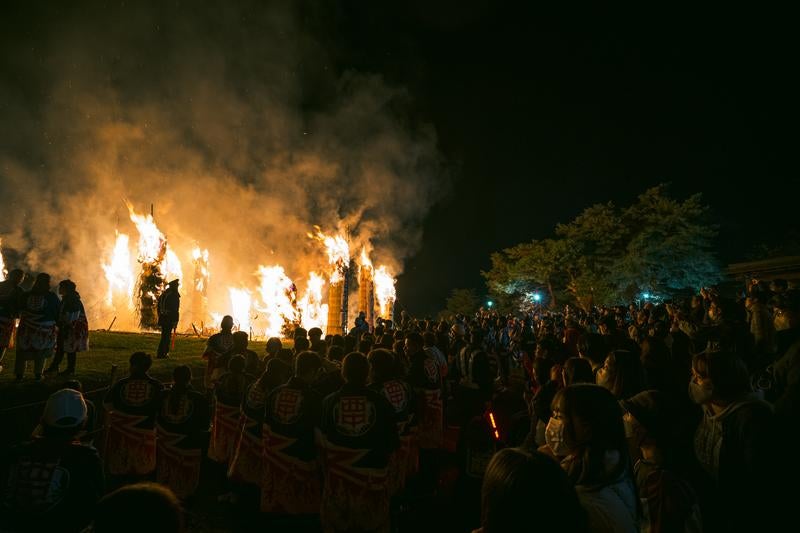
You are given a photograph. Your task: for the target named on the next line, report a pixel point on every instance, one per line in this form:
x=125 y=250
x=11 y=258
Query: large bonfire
x=267 y=305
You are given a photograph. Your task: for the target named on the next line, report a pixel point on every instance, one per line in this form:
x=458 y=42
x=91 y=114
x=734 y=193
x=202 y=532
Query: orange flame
x=277 y=299
x=314 y=312
x=200 y=260
x=241 y=303
x=3 y=271
x=118 y=272
x=385 y=291
x=338 y=253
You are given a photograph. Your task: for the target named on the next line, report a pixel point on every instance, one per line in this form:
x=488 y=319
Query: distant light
x=645 y=295
x=537 y=297
x=490 y=303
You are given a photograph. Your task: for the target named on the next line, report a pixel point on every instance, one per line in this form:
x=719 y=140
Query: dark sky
x=539 y=114
x=543 y=114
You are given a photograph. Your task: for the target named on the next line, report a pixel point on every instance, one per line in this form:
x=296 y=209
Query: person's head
x=365 y=344
x=182 y=376
x=140 y=507
x=226 y=324
x=273 y=346
x=140 y=363
x=457 y=331
x=277 y=373
x=586 y=424
x=74 y=384
x=335 y=353
x=541 y=369
x=520 y=489
x=622 y=374
x=240 y=340
x=66 y=286
x=649 y=418
x=577 y=370
x=315 y=334
x=64 y=414
x=300 y=332
x=307 y=365
x=355 y=369
x=399 y=347
x=41 y=284
x=287 y=356
x=173 y=285
x=718 y=377
x=429 y=339
x=16 y=276
x=237 y=364
x=301 y=344
x=592 y=347
x=413 y=344
x=381 y=365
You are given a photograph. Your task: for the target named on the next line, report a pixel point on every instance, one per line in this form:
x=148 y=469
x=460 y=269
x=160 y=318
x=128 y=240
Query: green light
x=490 y=303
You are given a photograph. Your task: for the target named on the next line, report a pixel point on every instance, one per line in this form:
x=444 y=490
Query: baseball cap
x=64 y=409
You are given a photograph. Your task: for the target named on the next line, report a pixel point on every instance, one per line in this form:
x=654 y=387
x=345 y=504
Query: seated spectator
x=52 y=482
x=229 y=392
x=136 y=508
x=528 y=492
x=576 y=370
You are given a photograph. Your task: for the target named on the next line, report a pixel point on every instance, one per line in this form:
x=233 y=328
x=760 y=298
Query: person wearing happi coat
x=384 y=380
x=131 y=406
x=357 y=435
x=218 y=352
x=38 y=331
x=73 y=329
x=182 y=430
x=228 y=395
x=10 y=299
x=291 y=481
x=245 y=466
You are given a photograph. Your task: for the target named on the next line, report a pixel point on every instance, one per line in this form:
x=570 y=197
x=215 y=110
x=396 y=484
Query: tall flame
x=314 y=312
x=338 y=253
x=118 y=272
x=3 y=271
x=200 y=260
x=364 y=261
x=385 y=291
x=278 y=299
x=151 y=240
x=241 y=303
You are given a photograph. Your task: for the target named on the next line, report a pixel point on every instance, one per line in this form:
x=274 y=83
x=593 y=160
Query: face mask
x=554 y=437
x=699 y=394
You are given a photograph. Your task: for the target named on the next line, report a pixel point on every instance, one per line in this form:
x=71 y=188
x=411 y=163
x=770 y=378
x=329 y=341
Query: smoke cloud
x=231 y=120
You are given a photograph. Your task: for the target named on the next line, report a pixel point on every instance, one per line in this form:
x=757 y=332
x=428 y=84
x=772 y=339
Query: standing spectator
x=424 y=377
x=669 y=503
x=52 y=482
x=131 y=406
x=622 y=374
x=358 y=433
x=733 y=442
x=10 y=300
x=169 y=305
x=73 y=329
x=252 y=361
x=586 y=429
x=37 y=333
x=182 y=430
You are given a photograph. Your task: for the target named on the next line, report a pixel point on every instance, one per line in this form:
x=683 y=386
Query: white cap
x=64 y=409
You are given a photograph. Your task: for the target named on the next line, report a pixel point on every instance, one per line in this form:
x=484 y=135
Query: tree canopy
x=608 y=254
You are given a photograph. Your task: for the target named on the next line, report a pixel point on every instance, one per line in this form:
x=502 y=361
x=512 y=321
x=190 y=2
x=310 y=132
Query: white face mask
x=554 y=437
x=699 y=394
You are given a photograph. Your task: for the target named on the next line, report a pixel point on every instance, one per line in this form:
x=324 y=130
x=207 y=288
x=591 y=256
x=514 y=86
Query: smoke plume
x=231 y=120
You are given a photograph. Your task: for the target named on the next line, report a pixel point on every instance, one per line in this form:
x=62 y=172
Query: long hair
x=593 y=427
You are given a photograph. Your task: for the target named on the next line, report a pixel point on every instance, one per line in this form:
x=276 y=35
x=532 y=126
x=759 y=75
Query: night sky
x=540 y=114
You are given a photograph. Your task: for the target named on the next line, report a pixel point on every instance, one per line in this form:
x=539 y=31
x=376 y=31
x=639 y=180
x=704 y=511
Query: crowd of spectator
x=657 y=416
